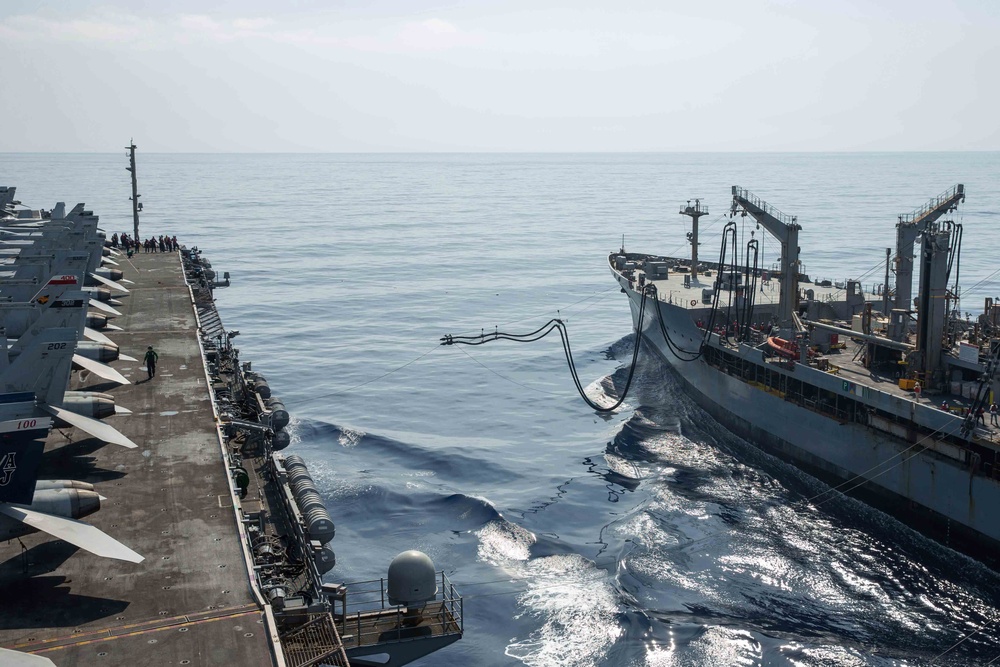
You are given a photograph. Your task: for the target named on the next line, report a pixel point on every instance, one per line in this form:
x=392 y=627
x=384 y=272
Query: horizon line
x=492 y=152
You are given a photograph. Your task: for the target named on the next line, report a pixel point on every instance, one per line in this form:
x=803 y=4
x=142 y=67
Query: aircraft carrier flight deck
x=204 y=543
x=189 y=602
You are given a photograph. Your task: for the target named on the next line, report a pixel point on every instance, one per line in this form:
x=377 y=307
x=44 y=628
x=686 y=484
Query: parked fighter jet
x=38 y=269
x=40 y=313
x=60 y=310
x=24 y=281
x=49 y=246
x=42 y=366
x=53 y=507
x=44 y=261
x=37 y=233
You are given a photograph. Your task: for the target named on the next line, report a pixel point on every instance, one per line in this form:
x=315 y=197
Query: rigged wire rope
x=369 y=381
x=504 y=377
x=600 y=294
x=560 y=326
x=986 y=279
x=860 y=479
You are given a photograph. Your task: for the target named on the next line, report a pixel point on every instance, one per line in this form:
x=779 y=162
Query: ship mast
x=136 y=206
x=695 y=212
x=910 y=226
x=785 y=229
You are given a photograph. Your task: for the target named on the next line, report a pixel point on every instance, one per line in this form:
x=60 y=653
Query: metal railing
x=314 y=642
x=955 y=192
x=743 y=193
x=697 y=208
x=361 y=610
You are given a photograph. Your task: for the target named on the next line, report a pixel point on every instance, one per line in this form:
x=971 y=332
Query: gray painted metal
x=934 y=475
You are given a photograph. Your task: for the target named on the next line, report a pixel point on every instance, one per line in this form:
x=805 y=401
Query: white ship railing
x=933 y=204
x=743 y=193
x=357 y=605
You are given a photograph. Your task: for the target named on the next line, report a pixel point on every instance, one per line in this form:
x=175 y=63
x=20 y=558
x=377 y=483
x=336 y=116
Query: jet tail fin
x=21 y=446
x=55 y=286
x=43 y=365
x=19 y=464
x=68 y=311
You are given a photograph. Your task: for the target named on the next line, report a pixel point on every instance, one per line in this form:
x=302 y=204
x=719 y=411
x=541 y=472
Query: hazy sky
x=708 y=75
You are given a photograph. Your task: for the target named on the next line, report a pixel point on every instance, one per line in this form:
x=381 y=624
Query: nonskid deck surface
x=188 y=602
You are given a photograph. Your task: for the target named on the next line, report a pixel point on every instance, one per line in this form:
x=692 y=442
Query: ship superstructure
x=874 y=387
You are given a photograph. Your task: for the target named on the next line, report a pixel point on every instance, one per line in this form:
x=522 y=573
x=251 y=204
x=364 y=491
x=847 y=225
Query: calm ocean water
x=651 y=537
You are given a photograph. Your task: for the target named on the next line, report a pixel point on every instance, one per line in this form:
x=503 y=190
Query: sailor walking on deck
x=150 y=359
x=994 y=409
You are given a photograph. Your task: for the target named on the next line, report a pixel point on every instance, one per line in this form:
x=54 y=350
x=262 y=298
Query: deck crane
x=910 y=226
x=936 y=254
x=785 y=229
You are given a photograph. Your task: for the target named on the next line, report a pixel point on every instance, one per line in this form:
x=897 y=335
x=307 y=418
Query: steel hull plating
x=934 y=494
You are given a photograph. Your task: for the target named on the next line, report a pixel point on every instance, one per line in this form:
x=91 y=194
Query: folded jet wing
x=107 y=281
x=75 y=532
x=106 y=308
x=100 y=370
x=18 y=659
x=97 y=336
x=94 y=427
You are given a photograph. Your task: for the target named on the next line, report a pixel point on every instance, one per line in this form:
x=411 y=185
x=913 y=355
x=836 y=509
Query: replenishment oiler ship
x=205 y=542
x=881 y=391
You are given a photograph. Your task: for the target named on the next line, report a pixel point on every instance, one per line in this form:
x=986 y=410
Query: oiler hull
x=939 y=496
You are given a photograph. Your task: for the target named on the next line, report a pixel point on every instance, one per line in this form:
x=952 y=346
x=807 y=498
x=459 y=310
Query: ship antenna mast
x=694 y=212
x=136 y=206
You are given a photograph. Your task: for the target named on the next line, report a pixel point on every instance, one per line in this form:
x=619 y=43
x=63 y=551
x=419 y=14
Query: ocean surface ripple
x=650 y=537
